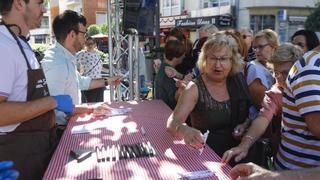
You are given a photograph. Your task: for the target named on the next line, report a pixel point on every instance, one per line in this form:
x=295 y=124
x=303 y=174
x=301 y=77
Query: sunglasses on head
x=300 y=44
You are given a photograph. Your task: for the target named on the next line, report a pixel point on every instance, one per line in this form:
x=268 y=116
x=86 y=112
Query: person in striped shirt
x=280 y=63
x=251 y=171
x=300 y=140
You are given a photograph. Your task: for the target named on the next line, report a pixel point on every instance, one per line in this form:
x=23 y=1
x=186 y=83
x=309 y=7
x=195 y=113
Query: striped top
x=299 y=148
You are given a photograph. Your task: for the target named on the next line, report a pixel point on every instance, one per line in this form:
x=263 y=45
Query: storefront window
x=40 y=39
x=260 y=22
x=45 y=22
x=170 y=3
x=175 y=2
x=166 y=3
x=215 y=3
x=171 y=7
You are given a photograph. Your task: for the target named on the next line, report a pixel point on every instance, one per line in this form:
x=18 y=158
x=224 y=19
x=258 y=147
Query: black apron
x=32 y=143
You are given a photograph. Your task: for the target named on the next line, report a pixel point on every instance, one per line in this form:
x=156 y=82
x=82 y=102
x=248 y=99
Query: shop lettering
x=220 y=20
x=213 y=21
x=222 y=23
x=186 y=23
x=202 y=22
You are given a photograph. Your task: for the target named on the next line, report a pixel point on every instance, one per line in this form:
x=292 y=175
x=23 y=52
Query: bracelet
x=249 y=137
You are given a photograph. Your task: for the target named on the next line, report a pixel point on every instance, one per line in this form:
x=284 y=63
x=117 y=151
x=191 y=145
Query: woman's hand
x=114 y=81
x=101 y=109
x=181 y=85
x=238 y=152
x=251 y=171
x=188 y=77
x=170 y=71
x=192 y=137
x=156 y=65
x=239 y=130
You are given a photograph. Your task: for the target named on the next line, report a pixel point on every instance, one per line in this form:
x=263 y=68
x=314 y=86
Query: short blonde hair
x=216 y=43
x=209 y=28
x=270 y=35
x=286 y=52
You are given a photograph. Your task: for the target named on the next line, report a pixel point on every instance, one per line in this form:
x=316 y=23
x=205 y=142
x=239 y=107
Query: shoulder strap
x=18 y=42
x=246 y=69
x=86 y=73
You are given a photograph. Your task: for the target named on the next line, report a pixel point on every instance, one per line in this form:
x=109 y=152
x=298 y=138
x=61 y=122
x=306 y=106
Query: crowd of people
x=236 y=85
x=249 y=90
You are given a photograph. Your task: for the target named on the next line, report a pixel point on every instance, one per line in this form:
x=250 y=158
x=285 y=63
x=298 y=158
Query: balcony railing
x=213 y=11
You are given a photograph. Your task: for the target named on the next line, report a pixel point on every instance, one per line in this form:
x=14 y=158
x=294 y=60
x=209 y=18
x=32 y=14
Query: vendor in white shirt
x=59 y=64
x=27 y=120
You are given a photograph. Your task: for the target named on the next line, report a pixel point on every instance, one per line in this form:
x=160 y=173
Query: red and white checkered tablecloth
x=172 y=158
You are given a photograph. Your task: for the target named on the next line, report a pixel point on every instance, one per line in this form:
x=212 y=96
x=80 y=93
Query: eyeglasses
x=222 y=60
x=78 y=31
x=83 y=32
x=279 y=75
x=299 y=44
x=260 y=47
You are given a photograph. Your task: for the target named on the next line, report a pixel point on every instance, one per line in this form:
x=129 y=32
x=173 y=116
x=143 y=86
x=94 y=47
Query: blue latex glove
x=6 y=172
x=64 y=103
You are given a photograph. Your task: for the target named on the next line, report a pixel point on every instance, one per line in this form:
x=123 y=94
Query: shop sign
x=200 y=21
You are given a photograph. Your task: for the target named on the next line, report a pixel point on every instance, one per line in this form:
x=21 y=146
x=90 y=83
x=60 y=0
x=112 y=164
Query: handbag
x=263 y=155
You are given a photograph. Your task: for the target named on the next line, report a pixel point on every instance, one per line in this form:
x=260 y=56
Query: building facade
x=190 y=15
x=42 y=35
x=95 y=12
x=283 y=16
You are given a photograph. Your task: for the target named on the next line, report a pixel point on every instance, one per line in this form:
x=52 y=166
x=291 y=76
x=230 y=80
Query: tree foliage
x=313 y=21
x=104 y=28
x=97 y=28
x=93 y=29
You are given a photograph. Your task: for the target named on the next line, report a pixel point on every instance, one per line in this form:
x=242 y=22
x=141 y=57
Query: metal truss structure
x=123 y=55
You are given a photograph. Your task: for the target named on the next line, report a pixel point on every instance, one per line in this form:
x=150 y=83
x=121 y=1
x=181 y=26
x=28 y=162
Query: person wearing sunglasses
x=90 y=64
x=305 y=39
x=59 y=66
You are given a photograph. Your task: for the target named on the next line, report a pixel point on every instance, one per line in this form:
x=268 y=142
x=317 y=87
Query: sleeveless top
x=220 y=118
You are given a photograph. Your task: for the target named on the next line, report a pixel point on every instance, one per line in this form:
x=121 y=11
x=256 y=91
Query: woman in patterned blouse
x=90 y=64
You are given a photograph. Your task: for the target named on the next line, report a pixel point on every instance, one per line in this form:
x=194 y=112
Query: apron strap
x=18 y=42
